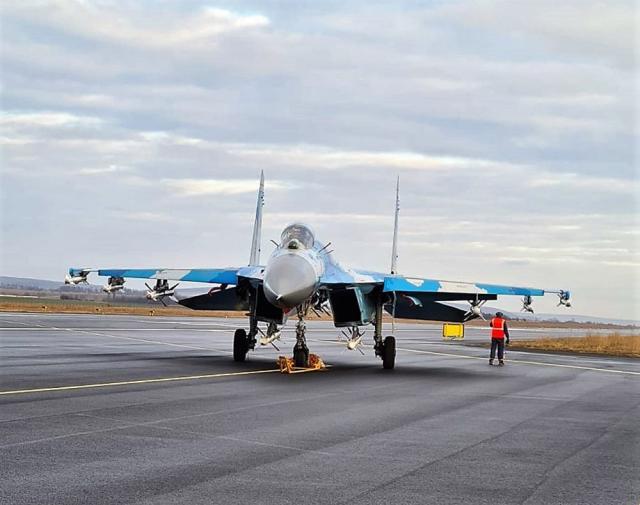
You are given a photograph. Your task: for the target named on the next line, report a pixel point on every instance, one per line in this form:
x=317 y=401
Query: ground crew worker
x=499 y=331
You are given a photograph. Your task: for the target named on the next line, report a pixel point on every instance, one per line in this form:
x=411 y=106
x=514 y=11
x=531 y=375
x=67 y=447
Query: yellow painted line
x=526 y=362
x=307 y=370
x=141 y=381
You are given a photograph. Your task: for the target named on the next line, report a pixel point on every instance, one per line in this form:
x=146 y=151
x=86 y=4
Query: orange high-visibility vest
x=497 y=327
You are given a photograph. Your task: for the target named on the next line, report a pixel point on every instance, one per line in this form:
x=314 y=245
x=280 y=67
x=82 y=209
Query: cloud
x=310 y=156
x=573 y=181
x=589 y=29
x=111 y=169
x=158 y=28
x=200 y=187
x=146 y=217
x=23 y=120
x=298 y=156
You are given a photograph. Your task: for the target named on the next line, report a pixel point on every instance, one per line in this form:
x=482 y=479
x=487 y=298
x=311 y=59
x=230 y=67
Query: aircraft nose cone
x=289 y=280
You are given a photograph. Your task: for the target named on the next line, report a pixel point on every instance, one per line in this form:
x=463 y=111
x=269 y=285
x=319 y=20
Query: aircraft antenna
x=394 y=250
x=254 y=259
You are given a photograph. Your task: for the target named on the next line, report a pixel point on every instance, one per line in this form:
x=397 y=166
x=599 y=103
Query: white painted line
x=255 y=442
x=526 y=362
x=145 y=340
x=57 y=328
x=141 y=381
x=305 y=398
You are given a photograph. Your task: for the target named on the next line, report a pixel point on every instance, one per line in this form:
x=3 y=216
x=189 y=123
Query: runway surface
x=128 y=409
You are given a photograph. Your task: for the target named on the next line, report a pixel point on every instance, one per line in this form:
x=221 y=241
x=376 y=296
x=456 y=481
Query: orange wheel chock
x=286 y=365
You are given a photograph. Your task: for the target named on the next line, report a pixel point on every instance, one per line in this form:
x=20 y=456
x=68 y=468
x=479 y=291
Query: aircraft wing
x=418 y=298
x=208 y=275
x=448 y=289
x=423 y=298
x=469 y=289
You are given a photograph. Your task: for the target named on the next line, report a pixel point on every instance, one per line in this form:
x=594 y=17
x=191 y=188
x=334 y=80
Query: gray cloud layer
x=133 y=135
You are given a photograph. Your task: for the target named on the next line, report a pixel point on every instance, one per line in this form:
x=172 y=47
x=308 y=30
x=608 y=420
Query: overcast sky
x=134 y=133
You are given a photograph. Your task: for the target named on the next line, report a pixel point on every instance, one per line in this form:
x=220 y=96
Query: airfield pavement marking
x=305 y=398
x=526 y=362
x=207 y=435
x=139 y=381
x=100 y=334
x=189 y=323
x=461 y=356
x=56 y=328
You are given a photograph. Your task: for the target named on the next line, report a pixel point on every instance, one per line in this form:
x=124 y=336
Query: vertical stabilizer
x=254 y=259
x=394 y=250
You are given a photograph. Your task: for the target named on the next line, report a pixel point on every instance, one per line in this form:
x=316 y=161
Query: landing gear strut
x=385 y=349
x=300 y=350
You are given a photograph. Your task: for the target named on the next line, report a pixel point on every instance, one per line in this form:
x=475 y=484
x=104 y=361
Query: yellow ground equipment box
x=453 y=331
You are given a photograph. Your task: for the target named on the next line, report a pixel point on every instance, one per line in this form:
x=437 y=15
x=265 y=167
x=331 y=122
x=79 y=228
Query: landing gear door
x=351 y=307
x=265 y=311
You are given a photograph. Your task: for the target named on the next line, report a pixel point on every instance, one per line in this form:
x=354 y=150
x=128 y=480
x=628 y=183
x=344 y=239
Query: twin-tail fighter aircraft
x=302 y=275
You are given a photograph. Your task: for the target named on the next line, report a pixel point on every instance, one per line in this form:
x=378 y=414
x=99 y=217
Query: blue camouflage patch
x=216 y=276
x=208 y=275
x=415 y=285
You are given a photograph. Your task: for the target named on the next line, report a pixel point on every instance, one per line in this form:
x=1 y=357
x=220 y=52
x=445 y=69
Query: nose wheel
x=300 y=357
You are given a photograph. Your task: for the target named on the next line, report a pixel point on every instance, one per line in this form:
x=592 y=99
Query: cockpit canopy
x=297 y=236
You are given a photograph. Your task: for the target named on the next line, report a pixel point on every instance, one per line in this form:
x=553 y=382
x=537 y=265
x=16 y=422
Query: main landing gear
x=242 y=341
x=389 y=353
x=384 y=348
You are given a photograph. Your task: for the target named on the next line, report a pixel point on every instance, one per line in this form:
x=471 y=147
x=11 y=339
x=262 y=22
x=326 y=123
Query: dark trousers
x=499 y=343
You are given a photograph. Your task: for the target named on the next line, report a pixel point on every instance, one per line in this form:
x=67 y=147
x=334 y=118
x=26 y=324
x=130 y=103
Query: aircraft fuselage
x=292 y=274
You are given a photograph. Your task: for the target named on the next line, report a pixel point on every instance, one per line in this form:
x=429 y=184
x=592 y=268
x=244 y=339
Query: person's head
x=499 y=314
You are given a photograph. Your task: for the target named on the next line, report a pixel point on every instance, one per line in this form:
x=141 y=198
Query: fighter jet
x=302 y=276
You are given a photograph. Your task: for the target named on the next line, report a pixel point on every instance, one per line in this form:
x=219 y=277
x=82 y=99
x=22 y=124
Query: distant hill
x=42 y=287
x=32 y=285
x=553 y=318
x=570 y=318
x=28 y=283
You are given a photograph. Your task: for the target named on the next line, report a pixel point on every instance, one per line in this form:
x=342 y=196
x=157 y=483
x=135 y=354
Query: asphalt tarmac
x=127 y=409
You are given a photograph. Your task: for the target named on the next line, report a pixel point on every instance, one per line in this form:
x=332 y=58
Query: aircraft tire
x=300 y=358
x=389 y=353
x=240 y=345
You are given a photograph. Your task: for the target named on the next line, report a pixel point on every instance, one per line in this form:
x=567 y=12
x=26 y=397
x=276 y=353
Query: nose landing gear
x=300 y=350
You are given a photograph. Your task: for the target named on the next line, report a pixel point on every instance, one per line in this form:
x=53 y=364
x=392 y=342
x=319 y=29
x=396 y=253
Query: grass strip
x=613 y=344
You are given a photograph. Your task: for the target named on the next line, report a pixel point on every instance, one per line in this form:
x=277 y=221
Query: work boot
x=491 y=361
x=501 y=362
